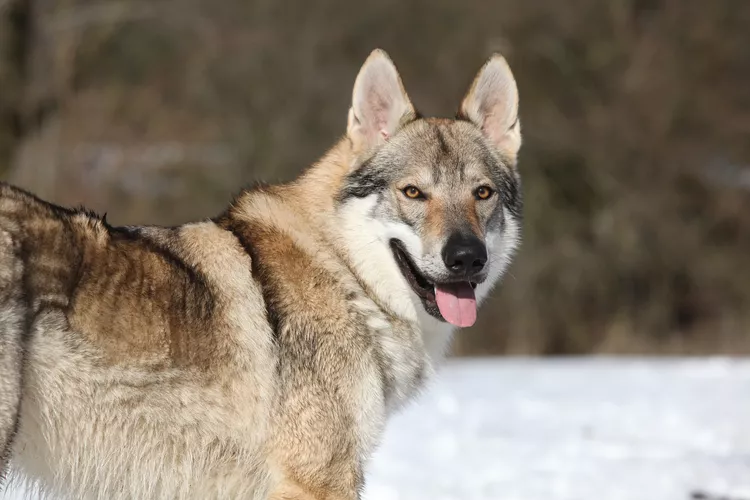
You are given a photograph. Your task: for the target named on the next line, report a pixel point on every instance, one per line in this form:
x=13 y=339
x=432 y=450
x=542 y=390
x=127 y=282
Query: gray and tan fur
x=257 y=354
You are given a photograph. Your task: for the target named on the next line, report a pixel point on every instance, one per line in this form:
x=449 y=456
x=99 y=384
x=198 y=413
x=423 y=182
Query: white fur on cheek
x=500 y=247
x=368 y=242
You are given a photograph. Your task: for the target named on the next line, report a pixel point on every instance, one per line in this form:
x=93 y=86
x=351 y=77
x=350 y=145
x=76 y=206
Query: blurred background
x=636 y=121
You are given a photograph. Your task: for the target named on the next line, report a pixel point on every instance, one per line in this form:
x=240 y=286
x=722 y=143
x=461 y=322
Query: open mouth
x=453 y=302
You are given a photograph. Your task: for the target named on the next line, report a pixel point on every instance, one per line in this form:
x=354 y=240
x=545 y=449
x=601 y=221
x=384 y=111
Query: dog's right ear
x=379 y=103
x=492 y=104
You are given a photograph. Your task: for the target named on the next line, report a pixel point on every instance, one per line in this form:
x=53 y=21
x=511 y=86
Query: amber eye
x=412 y=192
x=483 y=192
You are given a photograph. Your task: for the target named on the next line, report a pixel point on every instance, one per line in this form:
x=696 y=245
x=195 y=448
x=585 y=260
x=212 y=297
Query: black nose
x=464 y=254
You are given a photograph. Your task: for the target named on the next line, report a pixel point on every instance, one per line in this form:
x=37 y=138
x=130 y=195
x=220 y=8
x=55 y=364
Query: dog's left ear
x=379 y=103
x=492 y=104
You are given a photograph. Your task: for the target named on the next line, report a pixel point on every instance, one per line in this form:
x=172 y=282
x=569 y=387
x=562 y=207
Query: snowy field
x=575 y=429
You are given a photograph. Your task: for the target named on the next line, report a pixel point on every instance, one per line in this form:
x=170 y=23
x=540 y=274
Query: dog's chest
x=399 y=351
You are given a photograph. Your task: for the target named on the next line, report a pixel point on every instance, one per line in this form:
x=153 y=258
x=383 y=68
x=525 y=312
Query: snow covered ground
x=572 y=429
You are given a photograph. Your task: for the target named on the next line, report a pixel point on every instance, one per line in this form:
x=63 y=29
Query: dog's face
x=443 y=195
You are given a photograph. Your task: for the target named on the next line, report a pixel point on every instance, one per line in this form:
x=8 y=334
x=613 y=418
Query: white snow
x=571 y=429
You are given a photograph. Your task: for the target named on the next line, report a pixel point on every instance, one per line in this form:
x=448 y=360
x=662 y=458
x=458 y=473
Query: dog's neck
x=322 y=183
x=313 y=196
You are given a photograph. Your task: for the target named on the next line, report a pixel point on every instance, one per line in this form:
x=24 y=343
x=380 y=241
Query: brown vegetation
x=636 y=119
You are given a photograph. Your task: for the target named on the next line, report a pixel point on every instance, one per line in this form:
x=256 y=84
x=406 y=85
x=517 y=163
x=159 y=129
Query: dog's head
x=442 y=195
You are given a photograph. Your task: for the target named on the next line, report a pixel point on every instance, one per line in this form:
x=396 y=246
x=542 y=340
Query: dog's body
x=257 y=354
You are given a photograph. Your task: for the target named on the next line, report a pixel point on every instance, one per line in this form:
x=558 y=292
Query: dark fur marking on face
x=364 y=181
x=507 y=182
x=444 y=149
x=505 y=179
x=443 y=153
x=509 y=188
x=402 y=216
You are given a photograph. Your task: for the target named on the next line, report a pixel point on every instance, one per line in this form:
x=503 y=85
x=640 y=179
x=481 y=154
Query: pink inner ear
x=494 y=120
x=491 y=130
x=376 y=109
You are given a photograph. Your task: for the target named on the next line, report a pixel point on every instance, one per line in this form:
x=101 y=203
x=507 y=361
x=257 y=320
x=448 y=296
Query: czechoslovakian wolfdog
x=257 y=354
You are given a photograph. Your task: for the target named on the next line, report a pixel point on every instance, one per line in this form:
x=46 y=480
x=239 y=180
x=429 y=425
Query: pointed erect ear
x=492 y=104
x=379 y=103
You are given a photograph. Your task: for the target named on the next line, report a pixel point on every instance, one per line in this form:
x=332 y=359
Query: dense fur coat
x=257 y=354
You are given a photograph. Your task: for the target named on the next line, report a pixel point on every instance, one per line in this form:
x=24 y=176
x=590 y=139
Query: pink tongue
x=457 y=303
